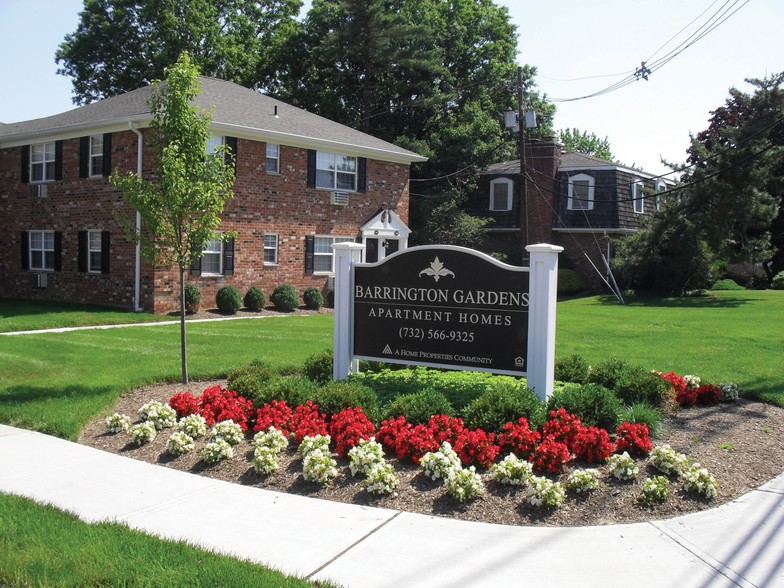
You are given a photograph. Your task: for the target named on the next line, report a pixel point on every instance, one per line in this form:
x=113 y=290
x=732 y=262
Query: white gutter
x=137 y=288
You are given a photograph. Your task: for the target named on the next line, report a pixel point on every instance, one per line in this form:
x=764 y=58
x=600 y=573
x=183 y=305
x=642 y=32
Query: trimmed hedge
x=336 y=395
x=285 y=298
x=312 y=298
x=594 y=404
x=192 y=298
x=502 y=403
x=254 y=299
x=419 y=406
x=228 y=299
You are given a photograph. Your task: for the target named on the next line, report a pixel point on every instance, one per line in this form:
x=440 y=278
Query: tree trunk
x=183 y=347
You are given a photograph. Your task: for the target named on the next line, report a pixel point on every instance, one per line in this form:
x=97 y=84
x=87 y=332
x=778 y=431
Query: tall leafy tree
x=731 y=207
x=119 y=45
x=180 y=209
x=583 y=142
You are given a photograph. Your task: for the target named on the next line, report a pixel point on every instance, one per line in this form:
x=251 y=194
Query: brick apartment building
x=577 y=201
x=302 y=183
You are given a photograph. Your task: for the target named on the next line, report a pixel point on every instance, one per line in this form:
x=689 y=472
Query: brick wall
x=263 y=203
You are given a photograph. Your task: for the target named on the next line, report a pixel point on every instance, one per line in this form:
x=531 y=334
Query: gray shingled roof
x=569 y=161
x=238 y=112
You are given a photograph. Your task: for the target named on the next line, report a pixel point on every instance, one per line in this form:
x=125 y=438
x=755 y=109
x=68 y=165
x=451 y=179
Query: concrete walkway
x=738 y=544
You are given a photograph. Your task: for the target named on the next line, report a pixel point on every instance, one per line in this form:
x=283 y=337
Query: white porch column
x=543 y=290
x=346 y=255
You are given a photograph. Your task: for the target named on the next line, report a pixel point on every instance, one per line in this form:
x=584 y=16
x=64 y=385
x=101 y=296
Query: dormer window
x=638 y=198
x=501 y=194
x=581 y=188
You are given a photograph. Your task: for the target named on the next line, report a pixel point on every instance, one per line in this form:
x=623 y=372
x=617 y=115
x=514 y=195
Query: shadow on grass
x=21 y=394
x=709 y=301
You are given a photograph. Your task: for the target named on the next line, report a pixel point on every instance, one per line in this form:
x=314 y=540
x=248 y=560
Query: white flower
x=692 y=381
x=319 y=467
x=265 y=459
x=179 y=443
x=381 y=478
x=364 y=456
x=655 y=490
x=161 y=415
x=216 y=451
x=729 y=391
x=229 y=431
x=698 y=480
x=437 y=465
x=544 y=492
x=272 y=438
x=143 y=433
x=512 y=471
x=311 y=443
x=463 y=484
x=623 y=466
x=583 y=480
x=668 y=461
x=117 y=423
x=193 y=425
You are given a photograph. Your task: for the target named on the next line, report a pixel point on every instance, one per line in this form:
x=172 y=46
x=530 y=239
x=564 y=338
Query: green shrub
x=748 y=275
x=727 y=284
x=571 y=369
x=318 y=367
x=777 y=283
x=254 y=299
x=460 y=387
x=419 y=406
x=312 y=298
x=334 y=396
x=294 y=389
x=192 y=298
x=500 y=404
x=228 y=299
x=608 y=372
x=251 y=380
x=638 y=384
x=570 y=282
x=642 y=412
x=594 y=404
x=285 y=298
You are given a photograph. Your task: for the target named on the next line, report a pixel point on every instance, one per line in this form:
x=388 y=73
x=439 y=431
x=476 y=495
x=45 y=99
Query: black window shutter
x=58 y=160
x=58 y=251
x=196 y=267
x=25 y=250
x=107 y=156
x=231 y=143
x=310 y=245
x=84 y=157
x=311 y=168
x=83 y=253
x=362 y=175
x=26 y=164
x=228 y=257
x=105 y=249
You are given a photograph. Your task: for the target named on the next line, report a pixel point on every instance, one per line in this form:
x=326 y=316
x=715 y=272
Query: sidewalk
x=738 y=544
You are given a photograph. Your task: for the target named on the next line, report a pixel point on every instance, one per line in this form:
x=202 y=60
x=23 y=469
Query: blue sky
x=570 y=39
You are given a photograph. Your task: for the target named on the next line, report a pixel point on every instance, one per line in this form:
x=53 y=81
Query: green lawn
x=42 y=546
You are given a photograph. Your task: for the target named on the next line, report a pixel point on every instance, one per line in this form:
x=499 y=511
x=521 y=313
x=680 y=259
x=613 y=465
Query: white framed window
x=212 y=257
x=323 y=255
x=501 y=194
x=336 y=172
x=96 y=156
x=273 y=158
x=94 y=251
x=660 y=187
x=42 y=157
x=581 y=188
x=41 y=250
x=213 y=143
x=638 y=198
x=270 y=249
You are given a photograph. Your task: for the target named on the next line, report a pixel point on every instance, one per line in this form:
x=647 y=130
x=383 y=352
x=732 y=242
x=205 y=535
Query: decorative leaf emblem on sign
x=437 y=270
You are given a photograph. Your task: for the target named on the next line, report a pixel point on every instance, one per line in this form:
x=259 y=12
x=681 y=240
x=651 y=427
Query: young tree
x=120 y=44
x=181 y=208
x=581 y=142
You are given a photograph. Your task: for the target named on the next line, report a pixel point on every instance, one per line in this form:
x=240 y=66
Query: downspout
x=137 y=289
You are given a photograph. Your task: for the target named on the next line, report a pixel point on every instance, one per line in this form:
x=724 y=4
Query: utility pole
x=521 y=150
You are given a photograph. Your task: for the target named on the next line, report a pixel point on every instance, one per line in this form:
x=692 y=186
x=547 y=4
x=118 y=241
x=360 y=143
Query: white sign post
x=540 y=301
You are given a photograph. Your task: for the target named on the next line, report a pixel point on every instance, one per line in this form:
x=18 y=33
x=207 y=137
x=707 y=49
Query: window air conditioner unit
x=40 y=280
x=330 y=285
x=38 y=190
x=339 y=198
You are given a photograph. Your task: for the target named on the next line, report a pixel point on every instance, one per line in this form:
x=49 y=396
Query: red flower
x=678 y=383
x=306 y=421
x=476 y=446
x=184 y=404
x=219 y=404
x=593 y=444
x=634 y=438
x=550 y=456
x=445 y=428
x=348 y=427
x=276 y=414
x=518 y=438
x=708 y=394
x=562 y=427
x=686 y=397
